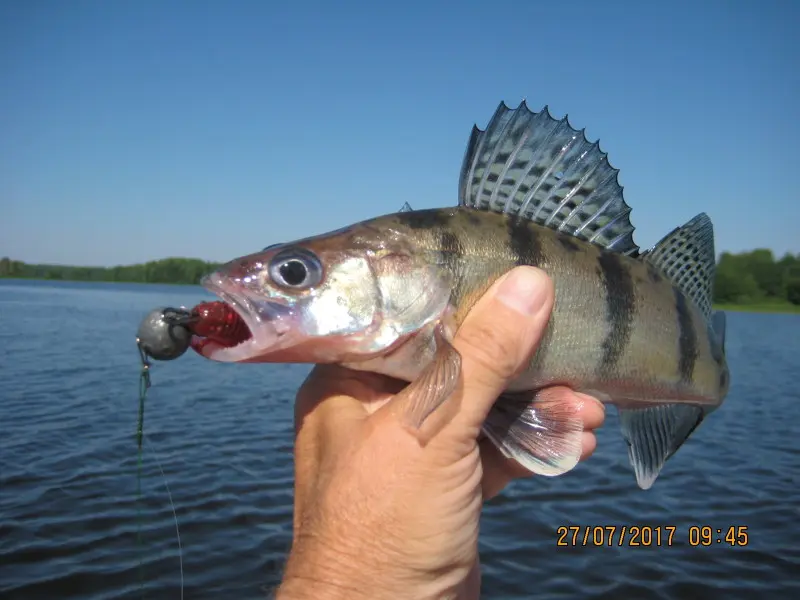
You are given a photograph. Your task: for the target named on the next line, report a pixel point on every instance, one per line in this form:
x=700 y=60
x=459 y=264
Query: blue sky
x=135 y=130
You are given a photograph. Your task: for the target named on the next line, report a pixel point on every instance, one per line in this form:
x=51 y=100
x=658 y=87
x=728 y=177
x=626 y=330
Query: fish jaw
x=272 y=325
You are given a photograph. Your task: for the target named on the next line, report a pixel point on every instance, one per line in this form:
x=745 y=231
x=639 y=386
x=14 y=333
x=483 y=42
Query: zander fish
x=632 y=328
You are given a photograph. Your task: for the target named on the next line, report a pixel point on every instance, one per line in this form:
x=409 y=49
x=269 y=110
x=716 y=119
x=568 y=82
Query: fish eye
x=296 y=268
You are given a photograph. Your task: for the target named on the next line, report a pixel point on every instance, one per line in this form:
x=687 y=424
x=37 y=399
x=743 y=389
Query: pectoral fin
x=439 y=380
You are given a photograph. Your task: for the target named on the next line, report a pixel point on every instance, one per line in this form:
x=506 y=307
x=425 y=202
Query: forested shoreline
x=167 y=270
x=748 y=279
x=758 y=280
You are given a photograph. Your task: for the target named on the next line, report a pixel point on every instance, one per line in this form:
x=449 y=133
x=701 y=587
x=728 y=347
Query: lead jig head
x=164 y=333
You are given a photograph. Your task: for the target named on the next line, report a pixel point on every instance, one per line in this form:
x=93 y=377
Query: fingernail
x=523 y=290
x=589 y=398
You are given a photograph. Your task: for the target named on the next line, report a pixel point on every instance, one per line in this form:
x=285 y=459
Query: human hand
x=380 y=514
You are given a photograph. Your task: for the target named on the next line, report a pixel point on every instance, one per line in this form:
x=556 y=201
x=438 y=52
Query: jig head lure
x=167 y=333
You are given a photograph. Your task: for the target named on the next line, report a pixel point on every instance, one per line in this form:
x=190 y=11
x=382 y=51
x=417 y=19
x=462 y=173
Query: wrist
x=322 y=570
x=305 y=588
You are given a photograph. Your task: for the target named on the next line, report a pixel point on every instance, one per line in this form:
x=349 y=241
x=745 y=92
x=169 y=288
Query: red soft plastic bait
x=218 y=322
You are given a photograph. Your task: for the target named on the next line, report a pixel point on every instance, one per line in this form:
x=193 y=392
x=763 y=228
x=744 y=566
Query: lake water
x=218 y=447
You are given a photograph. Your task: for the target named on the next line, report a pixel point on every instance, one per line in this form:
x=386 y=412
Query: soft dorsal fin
x=686 y=256
x=535 y=167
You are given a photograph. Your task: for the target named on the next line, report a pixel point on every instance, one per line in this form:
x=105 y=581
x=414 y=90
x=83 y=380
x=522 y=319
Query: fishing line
x=172 y=505
x=141 y=439
x=144 y=385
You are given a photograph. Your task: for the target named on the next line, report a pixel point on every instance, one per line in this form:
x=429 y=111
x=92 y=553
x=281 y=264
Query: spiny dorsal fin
x=405 y=208
x=686 y=256
x=533 y=166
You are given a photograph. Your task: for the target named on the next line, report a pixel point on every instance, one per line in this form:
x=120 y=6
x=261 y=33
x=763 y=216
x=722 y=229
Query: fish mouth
x=267 y=321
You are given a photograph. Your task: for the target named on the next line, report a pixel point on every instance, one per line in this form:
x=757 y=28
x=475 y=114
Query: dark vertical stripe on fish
x=525 y=244
x=687 y=338
x=620 y=307
x=423 y=219
x=568 y=243
x=452 y=251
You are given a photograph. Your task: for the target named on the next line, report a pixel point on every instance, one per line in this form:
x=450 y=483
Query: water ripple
x=73 y=525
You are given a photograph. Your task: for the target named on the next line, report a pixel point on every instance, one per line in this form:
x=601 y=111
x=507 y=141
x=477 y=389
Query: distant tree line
x=744 y=278
x=753 y=277
x=167 y=270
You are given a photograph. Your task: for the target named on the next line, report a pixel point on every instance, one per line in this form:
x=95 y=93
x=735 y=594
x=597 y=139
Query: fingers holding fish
x=361 y=391
x=499 y=336
x=592 y=411
x=499 y=470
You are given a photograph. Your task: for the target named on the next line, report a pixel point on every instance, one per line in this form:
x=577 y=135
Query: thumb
x=499 y=337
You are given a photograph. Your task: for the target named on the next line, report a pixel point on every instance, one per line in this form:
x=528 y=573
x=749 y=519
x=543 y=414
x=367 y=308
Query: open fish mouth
x=267 y=322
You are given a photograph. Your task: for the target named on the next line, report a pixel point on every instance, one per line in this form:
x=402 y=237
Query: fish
x=632 y=327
